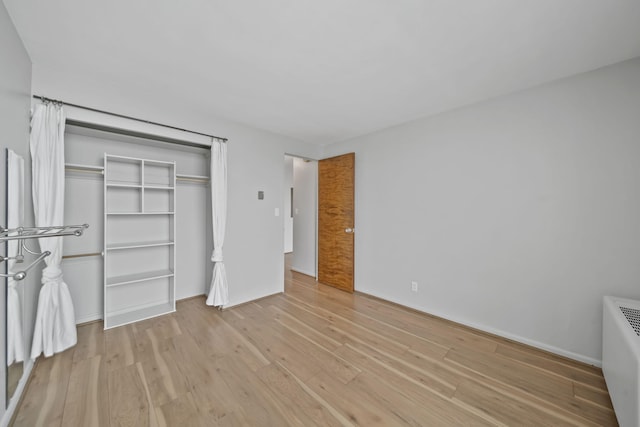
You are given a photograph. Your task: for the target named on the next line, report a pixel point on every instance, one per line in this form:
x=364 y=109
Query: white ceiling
x=326 y=70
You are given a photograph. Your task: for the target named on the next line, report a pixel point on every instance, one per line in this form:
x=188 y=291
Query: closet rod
x=122 y=116
x=71 y=169
x=82 y=255
x=100 y=171
x=179 y=178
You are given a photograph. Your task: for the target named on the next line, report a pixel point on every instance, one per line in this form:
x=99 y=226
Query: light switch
x=297 y=211
x=277 y=211
x=260 y=195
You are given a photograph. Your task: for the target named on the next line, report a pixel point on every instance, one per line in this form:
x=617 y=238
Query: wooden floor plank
x=44 y=406
x=181 y=411
x=501 y=407
x=310 y=356
x=305 y=406
x=164 y=378
x=259 y=404
x=302 y=328
x=87 y=401
x=593 y=396
x=427 y=394
x=537 y=383
x=356 y=405
x=416 y=413
x=554 y=365
x=90 y=342
x=127 y=398
x=196 y=365
x=120 y=348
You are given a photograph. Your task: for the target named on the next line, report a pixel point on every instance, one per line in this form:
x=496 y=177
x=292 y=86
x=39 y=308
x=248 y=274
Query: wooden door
x=336 y=179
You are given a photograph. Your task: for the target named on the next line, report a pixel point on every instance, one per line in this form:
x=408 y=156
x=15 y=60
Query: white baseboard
x=88 y=318
x=252 y=300
x=306 y=273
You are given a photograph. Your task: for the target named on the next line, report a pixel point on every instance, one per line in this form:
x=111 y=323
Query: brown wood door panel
x=336 y=205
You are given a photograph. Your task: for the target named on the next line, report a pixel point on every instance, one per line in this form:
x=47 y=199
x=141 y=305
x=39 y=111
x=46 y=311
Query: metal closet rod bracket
x=23 y=233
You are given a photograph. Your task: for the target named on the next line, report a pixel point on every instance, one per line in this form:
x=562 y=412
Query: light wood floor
x=311 y=356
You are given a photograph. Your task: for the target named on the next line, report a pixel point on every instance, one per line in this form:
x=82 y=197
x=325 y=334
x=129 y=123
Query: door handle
x=349 y=230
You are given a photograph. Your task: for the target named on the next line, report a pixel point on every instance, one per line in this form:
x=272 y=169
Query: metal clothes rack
x=22 y=233
x=26 y=233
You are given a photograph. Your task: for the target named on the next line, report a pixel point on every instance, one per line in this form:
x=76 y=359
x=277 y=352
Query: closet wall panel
x=193 y=238
x=84 y=204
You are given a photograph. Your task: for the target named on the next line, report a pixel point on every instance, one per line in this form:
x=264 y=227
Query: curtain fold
x=55 y=328
x=219 y=290
x=15 y=217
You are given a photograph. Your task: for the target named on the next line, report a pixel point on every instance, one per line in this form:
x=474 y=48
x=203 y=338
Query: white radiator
x=621 y=357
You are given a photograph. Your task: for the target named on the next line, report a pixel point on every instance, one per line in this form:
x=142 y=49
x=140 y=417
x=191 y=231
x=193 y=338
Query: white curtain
x=15 y=216
x=55 y=328
x=219 y=291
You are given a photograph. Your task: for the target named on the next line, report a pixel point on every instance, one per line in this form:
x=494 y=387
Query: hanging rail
x=82 y=255
x=99 y=170
x=72 y=167
x=192 y=178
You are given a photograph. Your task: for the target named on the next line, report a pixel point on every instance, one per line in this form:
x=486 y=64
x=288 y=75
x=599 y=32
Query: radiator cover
x=621 y=357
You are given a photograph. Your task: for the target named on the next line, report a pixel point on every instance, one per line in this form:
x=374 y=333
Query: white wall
x=254 y=236
x=286 y=197
x=305 y=178
x=15 y=91
x=515 y=215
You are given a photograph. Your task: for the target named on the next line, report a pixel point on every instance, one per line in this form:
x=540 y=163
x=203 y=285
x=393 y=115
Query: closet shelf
x=135 y=245
x=140 y=213
x=117 y=185
x=134 y=315
x=145 y=186
x=141 y=194
x=138 y=277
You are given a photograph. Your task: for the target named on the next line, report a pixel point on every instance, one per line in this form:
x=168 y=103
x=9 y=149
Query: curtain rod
x=45 y=99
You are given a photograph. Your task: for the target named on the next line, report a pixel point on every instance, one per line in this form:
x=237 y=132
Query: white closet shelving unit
x=139 y=239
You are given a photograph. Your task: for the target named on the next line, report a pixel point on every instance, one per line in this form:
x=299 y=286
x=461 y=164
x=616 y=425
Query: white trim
x=17 y=394
x=306 y=273
x=89 y=318
x=252 y=300
x=102 y=119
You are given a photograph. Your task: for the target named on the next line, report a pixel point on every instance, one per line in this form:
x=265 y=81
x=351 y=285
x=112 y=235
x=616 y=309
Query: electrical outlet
x=414 y=286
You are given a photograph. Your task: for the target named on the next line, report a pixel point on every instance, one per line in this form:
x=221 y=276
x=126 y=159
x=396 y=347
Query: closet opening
x=158 y=209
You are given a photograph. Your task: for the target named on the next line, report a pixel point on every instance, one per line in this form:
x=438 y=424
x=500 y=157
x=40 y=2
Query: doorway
x=300 y=214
